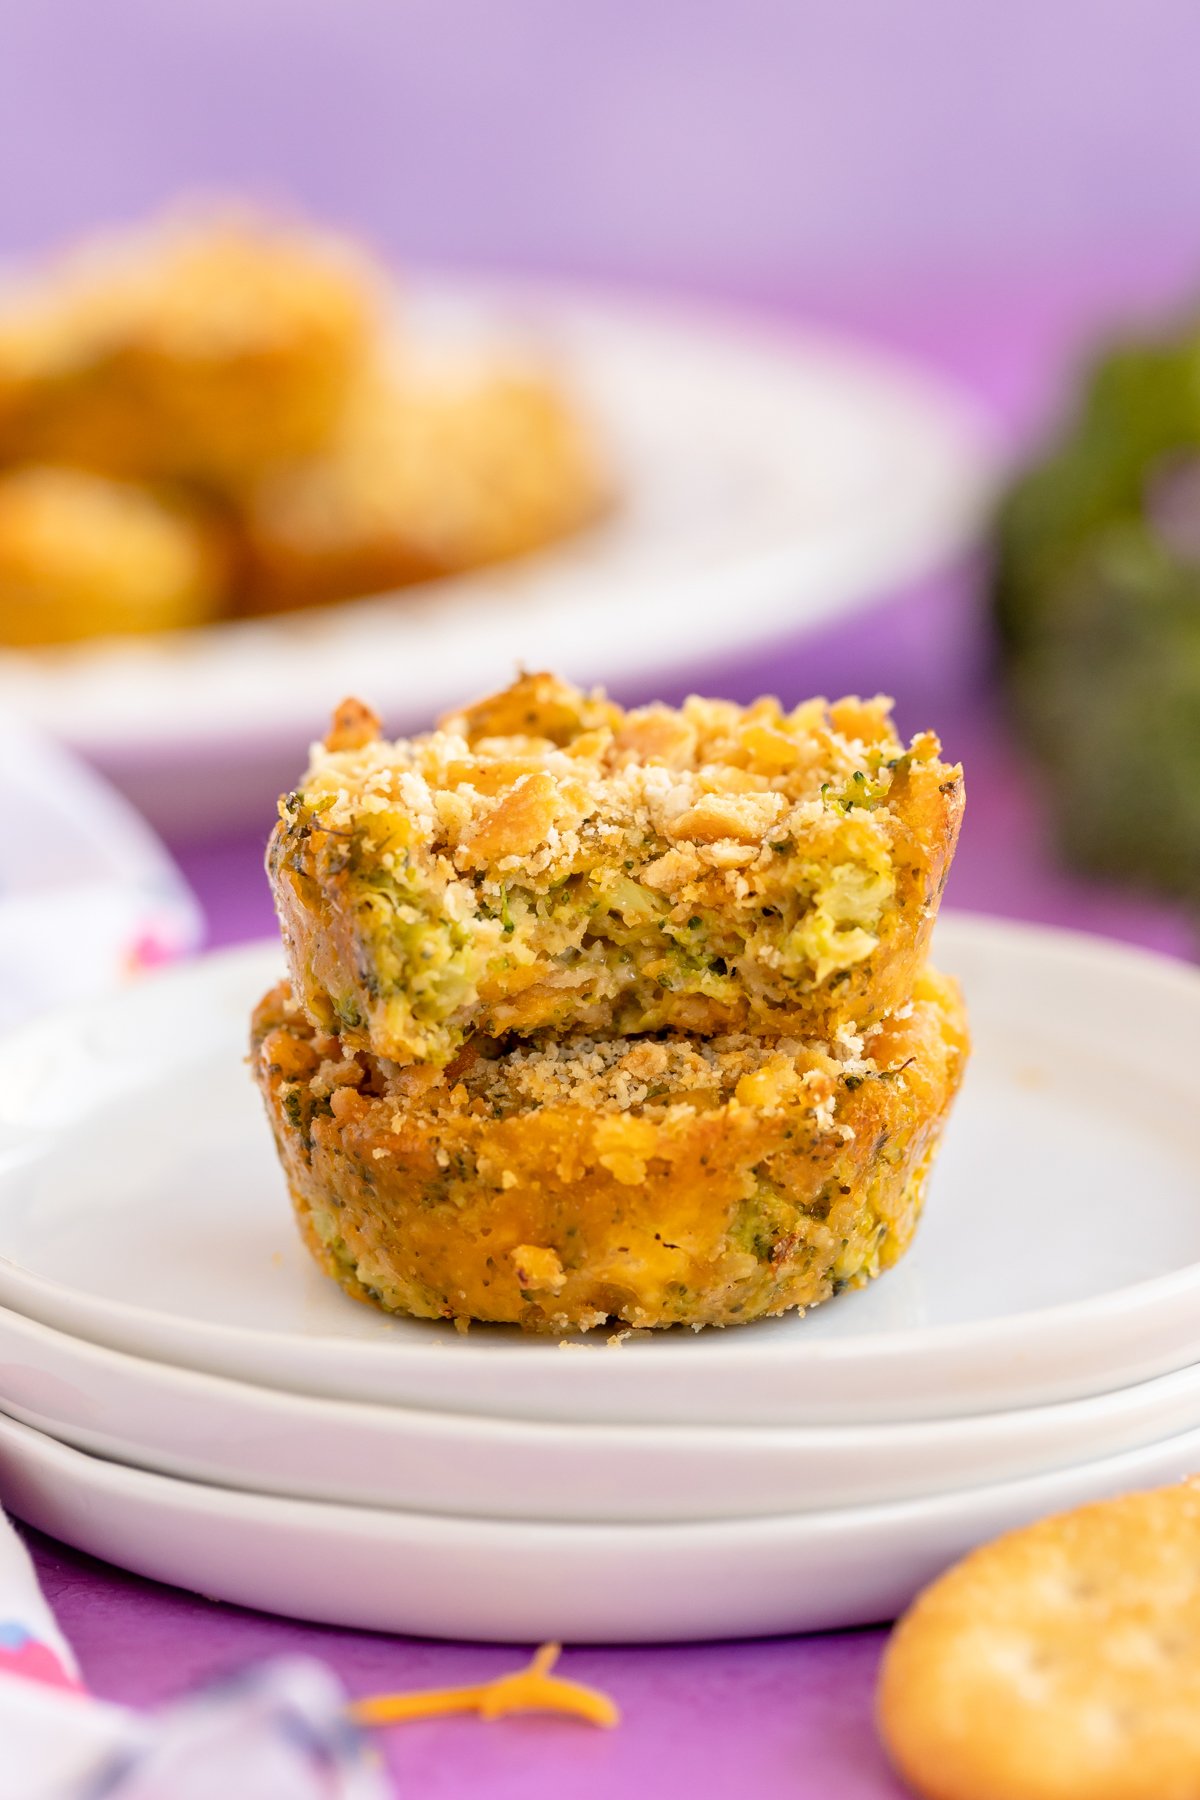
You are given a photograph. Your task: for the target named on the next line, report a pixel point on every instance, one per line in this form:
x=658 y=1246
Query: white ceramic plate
x=510 y=1582
x=141 y=1206
x=767 y=482
x=233 y=1434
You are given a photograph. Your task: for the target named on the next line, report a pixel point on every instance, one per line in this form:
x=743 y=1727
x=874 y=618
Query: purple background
x=742 y=143
x=982 y=185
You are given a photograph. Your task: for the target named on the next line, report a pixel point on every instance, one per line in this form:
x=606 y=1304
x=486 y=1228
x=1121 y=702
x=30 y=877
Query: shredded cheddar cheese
x=533 y=1689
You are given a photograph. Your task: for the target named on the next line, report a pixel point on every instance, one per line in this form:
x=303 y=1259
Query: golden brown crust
x=1061 y=1662
x=556 y=1185
x=81 y=556
x=353 y=726
x=548 y=861
x=424 y=478
x=203 y=350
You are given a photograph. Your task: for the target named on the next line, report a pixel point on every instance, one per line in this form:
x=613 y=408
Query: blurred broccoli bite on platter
x=426 y=476
x=82 y=555
x=201 y=348
x=262 y=376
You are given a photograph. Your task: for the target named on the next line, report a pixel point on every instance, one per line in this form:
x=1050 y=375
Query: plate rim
x=606 y=1432
x=588 y=1583
x=713 y=1532
x=861 y=1461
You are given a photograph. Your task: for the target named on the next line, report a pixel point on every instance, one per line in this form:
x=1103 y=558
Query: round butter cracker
x=1061 y=1662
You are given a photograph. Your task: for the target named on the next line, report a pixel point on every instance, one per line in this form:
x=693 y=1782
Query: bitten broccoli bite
x=559 y=1184
x=546 y=860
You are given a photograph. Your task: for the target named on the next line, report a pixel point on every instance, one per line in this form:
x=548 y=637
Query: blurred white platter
x=506 y=1581
x=234 y=1434
x=767 y=482
x=141 y=1207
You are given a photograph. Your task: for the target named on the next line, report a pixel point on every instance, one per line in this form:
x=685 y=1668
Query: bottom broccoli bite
x=645 y=1181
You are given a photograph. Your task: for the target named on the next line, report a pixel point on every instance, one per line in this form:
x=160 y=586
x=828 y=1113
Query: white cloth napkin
x=276 y=1731
x=88 y=896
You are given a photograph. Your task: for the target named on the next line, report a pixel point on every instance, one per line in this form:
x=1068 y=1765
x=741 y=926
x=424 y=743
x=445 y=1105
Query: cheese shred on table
x=533 y=1689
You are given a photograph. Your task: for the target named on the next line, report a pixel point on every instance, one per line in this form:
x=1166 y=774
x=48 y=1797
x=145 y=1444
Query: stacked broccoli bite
x=603 y=1015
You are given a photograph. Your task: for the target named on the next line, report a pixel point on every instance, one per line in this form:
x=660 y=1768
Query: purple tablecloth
x=790 y=1716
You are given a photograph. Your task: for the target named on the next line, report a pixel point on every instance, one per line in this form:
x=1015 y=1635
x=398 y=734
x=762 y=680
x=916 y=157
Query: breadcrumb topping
x=546 y=859
x=526 y=790
x=634 y=1075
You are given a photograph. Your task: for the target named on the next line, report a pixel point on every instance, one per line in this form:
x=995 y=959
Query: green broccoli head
x=1097 y=603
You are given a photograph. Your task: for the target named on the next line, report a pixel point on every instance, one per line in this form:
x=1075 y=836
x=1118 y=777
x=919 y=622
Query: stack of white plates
x=185 y=1395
